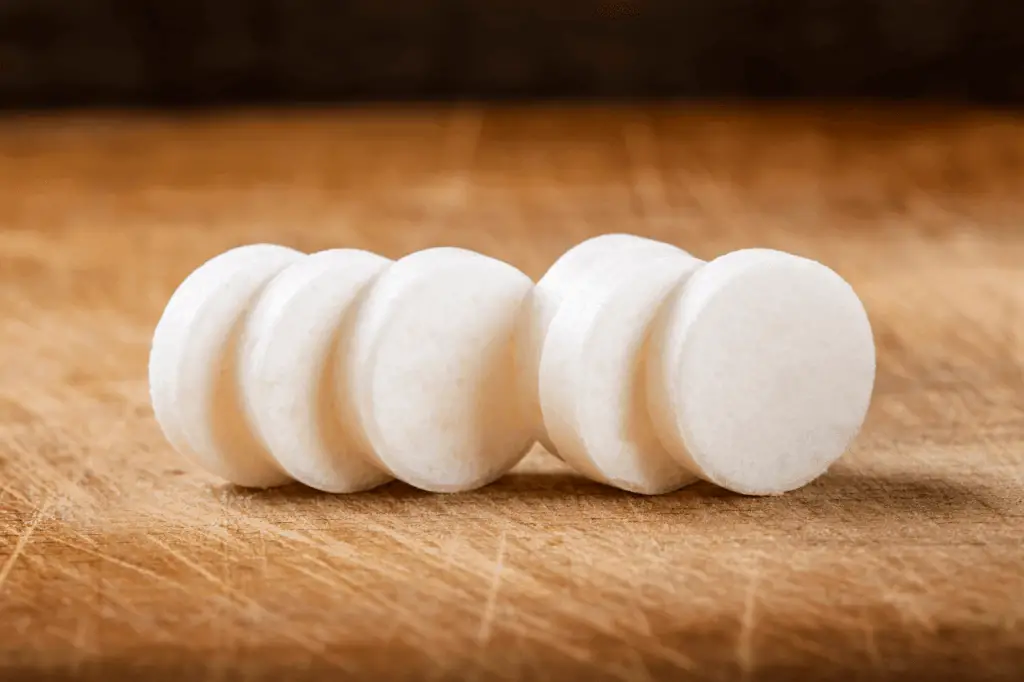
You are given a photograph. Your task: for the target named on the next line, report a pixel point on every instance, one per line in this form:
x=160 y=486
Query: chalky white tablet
x=761 y=371
x=431 y=369
x=193 y=365
x=288 y=369
x=586 y=262
x=593 y=377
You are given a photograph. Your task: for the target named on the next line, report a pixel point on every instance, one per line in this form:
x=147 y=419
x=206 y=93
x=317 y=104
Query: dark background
x=198 y=52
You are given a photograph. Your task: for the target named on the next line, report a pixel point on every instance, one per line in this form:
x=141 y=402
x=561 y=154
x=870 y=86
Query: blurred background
x=194 y=52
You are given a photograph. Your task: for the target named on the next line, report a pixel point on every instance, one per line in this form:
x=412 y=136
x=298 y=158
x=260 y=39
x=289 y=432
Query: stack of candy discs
x=639 y=365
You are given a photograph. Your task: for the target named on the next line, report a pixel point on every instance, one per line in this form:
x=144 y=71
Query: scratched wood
x=118 y=558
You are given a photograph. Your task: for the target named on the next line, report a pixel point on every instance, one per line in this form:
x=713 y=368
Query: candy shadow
x=843 y=494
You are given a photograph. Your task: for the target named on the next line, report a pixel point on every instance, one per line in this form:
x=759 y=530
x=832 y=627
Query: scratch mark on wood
x=748 y=626
x=484 y=633
x=13 y=492
x=156 y=577
x=870 y=644
x=142 y=623
x=188 y=562
x=309 y=644
x=19 y=547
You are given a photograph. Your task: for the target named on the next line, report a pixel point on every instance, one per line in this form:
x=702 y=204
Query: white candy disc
x=761 y=371
x=586 y=262
x=431 y=369
x=193 y=365
x=288 y=365
x=592 y=375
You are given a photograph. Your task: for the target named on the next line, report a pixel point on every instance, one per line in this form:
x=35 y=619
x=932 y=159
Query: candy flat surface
x=763 y=371
x=431 y=368
x=289 y=365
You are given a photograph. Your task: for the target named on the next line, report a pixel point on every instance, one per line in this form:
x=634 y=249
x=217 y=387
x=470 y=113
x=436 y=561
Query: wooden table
x=119 y=558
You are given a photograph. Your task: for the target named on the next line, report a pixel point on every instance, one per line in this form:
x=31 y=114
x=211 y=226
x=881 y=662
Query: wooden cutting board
x=118 y=558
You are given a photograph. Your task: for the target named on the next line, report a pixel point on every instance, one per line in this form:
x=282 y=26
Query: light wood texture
x=119 y=558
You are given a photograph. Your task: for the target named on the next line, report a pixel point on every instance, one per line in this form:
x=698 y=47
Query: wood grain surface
x=120 y=559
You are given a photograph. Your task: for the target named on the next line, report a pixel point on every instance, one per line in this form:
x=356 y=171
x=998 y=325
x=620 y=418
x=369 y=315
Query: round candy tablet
x=431 y=369
x=586 y=262
x=761 y=371
x=288 y=368
x=592 y=375
x=193 y=364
